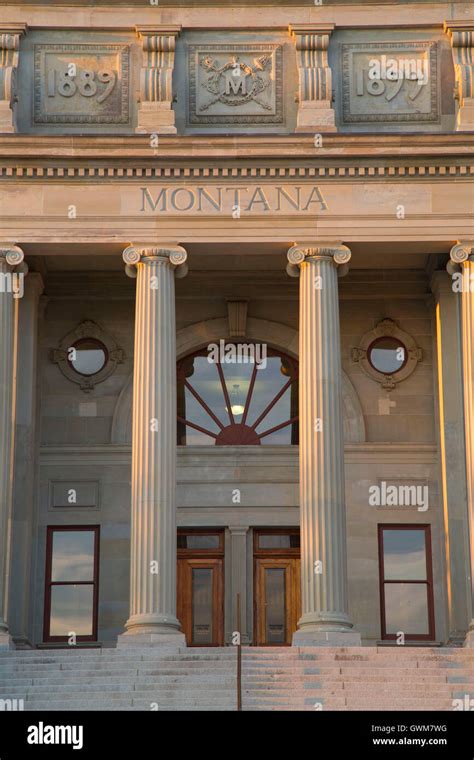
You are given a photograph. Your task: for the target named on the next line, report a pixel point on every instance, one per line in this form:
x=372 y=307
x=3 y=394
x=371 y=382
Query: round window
x=387 y=355
x=87 y=356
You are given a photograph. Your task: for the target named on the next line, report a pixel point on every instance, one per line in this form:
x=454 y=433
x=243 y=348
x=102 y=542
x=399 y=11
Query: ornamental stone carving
x=339 y=254
x=87 y=329
x=315 y=97
x=461 y=35
x=174 y=255
x=13 y=256
x=393 y=82
x=235 y=84
x=10 y=35
x=390 y=328
x=81 y=84
x=155 y=113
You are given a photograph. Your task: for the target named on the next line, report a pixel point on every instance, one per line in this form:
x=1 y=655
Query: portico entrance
x=277 y=601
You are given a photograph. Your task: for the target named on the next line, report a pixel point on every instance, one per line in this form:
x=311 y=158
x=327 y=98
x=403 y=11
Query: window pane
x=404 y=555
x=275 y=618
x=387 y=355
x=204 y=378
x=202 y=605
x=237 y=380
x=90 y=356
x=268 y=383
x=198 y=541
x=71 y=610
x=278 y=414
x=406 y=608
x=195 y=412
x=278 y=541
x=73 y=555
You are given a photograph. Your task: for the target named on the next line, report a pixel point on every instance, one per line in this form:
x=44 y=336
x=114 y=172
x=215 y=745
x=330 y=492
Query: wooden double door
x=277 y=601
x=200 y=603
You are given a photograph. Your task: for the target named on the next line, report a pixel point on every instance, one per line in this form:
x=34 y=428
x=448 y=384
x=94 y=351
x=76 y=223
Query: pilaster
x=24 y=493
x=452 y=454
x=12 y=270
x=238 y=551
x=462 y=264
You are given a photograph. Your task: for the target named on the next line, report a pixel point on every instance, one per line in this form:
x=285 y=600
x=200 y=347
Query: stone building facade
x=274 y=408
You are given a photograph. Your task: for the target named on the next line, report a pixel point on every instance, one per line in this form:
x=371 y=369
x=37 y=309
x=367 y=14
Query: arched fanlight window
x=237 y=403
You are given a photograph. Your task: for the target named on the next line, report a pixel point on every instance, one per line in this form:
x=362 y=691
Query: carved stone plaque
x=390 y=82
x=235 y=84
x=81 y=84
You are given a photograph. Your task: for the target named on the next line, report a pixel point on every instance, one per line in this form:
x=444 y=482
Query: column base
x=6 y=641
x=336 y=630
x=152 y=630
x=469 y=640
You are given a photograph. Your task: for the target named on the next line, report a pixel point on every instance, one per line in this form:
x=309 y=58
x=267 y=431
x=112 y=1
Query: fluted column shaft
x=153 y=531
x=462 y=263
x=322 y=499
x=11 y=257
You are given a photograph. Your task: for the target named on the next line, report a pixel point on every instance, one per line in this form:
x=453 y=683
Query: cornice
x=191 y=158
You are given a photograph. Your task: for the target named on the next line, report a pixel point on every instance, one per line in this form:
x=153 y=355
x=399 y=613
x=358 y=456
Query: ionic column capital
x=11 y=256
x=460 y=254
x=147 y=253
x=336 y=253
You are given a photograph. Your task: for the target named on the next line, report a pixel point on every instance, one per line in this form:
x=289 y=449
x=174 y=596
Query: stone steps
x=205 y=679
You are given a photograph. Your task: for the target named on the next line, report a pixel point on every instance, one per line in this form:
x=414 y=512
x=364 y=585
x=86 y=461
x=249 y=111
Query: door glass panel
x=406 y=608
x=71 y=610
x=73 y=555
x=199 y=541
x=202 y=605
x=278 y=541
x=404 y=555
x=275 y=605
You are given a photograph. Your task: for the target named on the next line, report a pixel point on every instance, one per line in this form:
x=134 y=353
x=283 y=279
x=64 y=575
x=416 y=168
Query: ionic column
x=461 y=267
x=12 y=270
x=153 y=533
x=325 y=618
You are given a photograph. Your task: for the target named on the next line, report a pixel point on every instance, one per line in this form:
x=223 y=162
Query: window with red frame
x=406 y=582
x=72 y=581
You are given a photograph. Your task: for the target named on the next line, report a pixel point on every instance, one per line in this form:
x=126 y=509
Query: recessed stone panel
x=235 y=84
x=81 y=84
x=74 y=493
x=393 y=82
